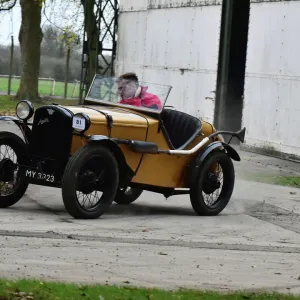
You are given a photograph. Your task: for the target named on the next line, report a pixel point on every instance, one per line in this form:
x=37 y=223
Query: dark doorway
x=232 y=65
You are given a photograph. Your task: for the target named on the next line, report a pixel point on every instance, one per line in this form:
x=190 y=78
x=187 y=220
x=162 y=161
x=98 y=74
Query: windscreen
x=128 y=93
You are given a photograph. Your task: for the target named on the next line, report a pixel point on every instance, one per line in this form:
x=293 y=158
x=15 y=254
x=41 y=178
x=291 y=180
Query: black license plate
x=40 y=176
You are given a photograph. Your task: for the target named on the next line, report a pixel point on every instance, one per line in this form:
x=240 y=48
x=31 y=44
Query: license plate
x=39 y=176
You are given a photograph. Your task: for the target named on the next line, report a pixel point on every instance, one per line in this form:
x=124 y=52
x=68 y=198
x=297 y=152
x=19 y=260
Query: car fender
x=199 y=159
x=125 y=171
x=231 y=152
x=26 y=131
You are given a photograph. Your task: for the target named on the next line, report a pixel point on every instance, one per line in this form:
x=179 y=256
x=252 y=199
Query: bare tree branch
x=7 y=4
x=56 y=10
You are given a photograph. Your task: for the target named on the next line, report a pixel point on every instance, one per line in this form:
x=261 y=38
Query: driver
x=134 y=94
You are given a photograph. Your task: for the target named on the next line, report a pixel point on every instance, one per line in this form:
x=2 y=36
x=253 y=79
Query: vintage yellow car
x=124 y=140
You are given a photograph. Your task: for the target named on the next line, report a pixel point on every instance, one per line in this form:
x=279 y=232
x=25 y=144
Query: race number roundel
x=79 y=122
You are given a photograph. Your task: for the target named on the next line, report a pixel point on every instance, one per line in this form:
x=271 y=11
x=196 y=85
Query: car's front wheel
x=90 y=182
x=213 y=185
x=127 y=195
x=13 y=183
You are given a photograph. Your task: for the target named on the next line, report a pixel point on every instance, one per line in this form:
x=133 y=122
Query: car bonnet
x=119 y=117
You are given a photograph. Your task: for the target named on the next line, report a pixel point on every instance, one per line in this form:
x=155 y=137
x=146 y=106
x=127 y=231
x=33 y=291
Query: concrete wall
x=272 y=87
x=175 y=43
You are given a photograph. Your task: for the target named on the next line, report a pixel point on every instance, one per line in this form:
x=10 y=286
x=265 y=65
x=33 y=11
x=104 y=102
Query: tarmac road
x=254 y=244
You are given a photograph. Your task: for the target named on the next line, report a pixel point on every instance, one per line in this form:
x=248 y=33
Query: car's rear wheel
x=13 y=183
x=90 y=182
x=127 y=195
x=213 y=185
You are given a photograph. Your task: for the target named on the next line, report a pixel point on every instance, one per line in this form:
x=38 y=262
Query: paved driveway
x=253 y=244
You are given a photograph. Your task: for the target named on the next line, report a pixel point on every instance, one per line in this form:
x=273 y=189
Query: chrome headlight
x=24 y=110
x=81 y=122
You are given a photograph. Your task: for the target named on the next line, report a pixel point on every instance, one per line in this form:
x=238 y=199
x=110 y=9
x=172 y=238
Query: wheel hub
x=88 y=182
x=211 y=183
x=7 y=168
x=128 y=191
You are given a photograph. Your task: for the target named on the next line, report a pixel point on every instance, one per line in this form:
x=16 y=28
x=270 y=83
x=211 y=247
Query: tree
x=49 y=45
x=85 y=8
x=57 y=40
x=68 y=39
x=92 y=32
x=30 y=38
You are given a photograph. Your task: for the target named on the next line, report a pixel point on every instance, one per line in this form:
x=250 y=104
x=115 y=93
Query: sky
x=58 y=12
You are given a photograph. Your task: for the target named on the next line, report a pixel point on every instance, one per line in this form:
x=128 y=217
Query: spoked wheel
x=214 y=185
x=13 y=183
x=127 y=195
x=90 y=182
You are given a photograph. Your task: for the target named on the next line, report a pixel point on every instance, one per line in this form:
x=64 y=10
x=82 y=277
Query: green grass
x=45 y=87
x=8 y=103
x=290 y=181
x=39 y=290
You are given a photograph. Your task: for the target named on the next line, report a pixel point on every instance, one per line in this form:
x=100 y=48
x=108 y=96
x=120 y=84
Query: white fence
x=47 y=86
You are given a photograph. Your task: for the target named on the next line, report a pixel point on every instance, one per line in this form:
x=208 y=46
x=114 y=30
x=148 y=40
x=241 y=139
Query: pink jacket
x=144 y=99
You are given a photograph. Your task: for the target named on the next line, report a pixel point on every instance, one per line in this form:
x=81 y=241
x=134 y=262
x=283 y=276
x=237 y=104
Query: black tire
x=81 y=163
x=200 y=185
x=11 y=141
x=127 y=196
